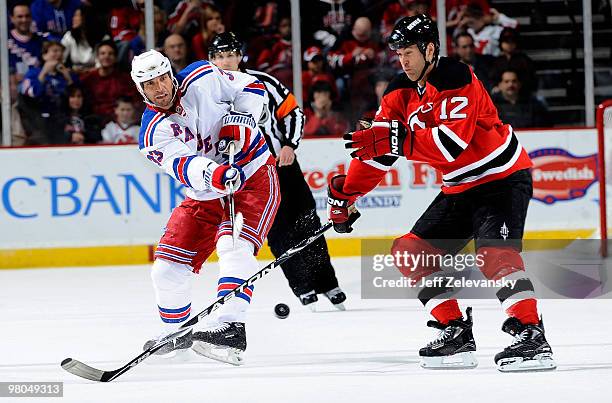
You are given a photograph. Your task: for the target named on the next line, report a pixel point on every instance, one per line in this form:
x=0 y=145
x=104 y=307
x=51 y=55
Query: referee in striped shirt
x=310 y=272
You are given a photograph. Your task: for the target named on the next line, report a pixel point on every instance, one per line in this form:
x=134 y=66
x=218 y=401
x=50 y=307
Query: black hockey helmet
x=416 y=30
x=224 y=42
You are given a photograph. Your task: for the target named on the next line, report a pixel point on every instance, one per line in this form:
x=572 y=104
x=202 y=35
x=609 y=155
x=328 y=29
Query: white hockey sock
x=236 y=264
x=172 y=283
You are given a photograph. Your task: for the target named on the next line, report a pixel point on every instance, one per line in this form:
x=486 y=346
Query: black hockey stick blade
x=83 y=370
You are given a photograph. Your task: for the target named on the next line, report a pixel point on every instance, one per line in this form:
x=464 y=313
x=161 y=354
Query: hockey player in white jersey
x=188 y=128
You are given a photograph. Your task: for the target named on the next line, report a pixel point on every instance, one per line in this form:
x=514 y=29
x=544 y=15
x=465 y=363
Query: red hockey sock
x=526 y=311
x=447 y=311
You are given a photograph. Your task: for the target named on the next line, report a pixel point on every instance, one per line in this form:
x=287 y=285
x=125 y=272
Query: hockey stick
x=236 y=219
x=82 y=370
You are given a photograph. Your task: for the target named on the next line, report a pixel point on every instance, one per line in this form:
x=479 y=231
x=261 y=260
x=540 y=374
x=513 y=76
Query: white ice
x=368 y=353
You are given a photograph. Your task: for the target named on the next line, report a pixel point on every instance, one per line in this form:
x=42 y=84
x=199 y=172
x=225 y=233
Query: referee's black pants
x=297 y=219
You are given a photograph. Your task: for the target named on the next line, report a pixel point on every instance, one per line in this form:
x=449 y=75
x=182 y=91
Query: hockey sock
x=447 y=311
x=236 y=263
x=172 y=283
x=526 y=311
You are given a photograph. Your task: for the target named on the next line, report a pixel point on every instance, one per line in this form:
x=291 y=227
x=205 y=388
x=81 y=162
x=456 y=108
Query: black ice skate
x=336 y=296
x=530 y=350
x=225 y=342
x=454 y=348
x=178 y=347
x=309 y=299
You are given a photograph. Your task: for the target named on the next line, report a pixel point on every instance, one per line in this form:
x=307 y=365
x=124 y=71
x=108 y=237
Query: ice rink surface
x=368 y=353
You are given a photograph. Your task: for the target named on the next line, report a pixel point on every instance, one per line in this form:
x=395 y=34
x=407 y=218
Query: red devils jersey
x=455 y=129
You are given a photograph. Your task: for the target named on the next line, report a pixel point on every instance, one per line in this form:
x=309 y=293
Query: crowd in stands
x=69 y=59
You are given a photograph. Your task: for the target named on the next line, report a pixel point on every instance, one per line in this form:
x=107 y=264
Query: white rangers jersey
x=184 y=141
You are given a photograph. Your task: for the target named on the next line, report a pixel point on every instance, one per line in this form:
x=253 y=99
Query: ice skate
x=453 y=348
x=309 y=299
x=225 y=342
x=177 y=349
x=530 y=350
x=336 y=296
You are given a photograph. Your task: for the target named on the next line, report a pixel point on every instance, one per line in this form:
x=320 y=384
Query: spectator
x=455 y=10
x=211 y=25
x=357 y=52
x=107 y=83
x=123 y=129
x=316 y=71
x=125 y=21
x=277 y=59
x=42 y=90
x=321 y=119
x=355 y=58
x=516 y=109
x=160 y=31
x=138 y=44
x=186 y=17
x=481 y=64
x=485 y=28
x=380 y=81
x=175 y=49
x=24 y=46
x=327 y=20
x=125 y=25
x=512 y=58
x=79 y=42
x=54 y=16
x=399 y=9
x=80 y=127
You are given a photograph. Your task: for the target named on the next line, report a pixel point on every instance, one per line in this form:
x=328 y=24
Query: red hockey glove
x=383 y=137
x=238 y=128
x=224 y=175
x=341 y=206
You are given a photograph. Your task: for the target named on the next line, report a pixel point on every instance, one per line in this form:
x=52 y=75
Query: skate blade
x=540 y=362
x=312 y=307
x=465 y=360
x=176 y=356
x=231 y=356
x=340 y=306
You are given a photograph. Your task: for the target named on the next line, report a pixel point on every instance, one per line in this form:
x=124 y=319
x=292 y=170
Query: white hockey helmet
x=149 y=65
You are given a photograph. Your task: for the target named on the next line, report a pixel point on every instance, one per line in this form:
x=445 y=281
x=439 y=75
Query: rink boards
x=104 y=205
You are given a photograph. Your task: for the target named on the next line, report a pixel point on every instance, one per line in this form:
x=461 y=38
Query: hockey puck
x=281 y=311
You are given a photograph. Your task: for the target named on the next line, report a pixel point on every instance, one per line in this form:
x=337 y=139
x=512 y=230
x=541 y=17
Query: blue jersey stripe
x=192 y=80
x=253 y=144
x=254 y=91
x=181 y=75
x=147 y=117
x=185 y=165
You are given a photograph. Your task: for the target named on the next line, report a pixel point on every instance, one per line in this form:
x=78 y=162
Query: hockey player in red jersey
x=439 y=112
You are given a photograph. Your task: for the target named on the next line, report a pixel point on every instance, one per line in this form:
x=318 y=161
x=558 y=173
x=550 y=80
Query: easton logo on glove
x=381 y=138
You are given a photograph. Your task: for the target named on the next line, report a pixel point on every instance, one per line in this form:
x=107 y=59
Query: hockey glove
x=224 y=175
x=341 y=206
x=382 y=137
x=238 y=128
